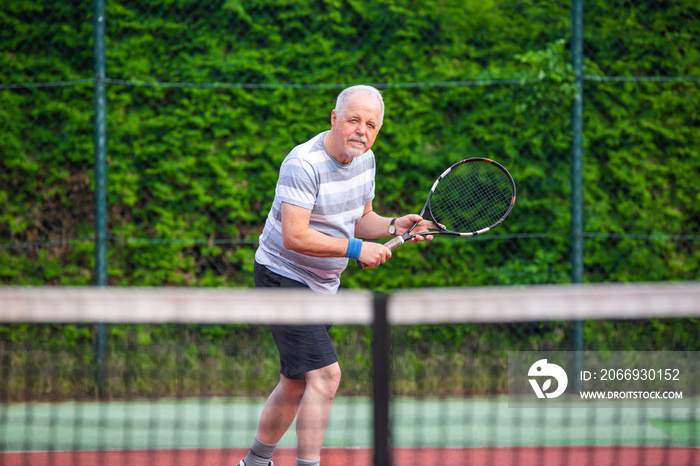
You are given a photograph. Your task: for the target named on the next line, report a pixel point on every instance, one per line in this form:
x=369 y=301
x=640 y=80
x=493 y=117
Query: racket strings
x=472 y=197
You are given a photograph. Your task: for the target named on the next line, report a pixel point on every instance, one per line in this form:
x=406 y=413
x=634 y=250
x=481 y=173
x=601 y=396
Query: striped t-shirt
x=336 y=195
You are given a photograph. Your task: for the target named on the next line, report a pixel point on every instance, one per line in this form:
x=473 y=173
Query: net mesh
x=188 y=370
x=204 y=100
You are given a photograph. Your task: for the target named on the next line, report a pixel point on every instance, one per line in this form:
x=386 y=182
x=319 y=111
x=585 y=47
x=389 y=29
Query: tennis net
x=430 y=376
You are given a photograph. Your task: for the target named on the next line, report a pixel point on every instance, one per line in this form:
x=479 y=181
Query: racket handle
x=391 y=245
x=394 y=243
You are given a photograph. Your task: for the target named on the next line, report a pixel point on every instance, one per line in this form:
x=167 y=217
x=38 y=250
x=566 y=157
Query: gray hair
x=341 y=102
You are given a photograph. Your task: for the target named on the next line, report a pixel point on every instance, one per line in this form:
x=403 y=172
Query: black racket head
x=471 y=197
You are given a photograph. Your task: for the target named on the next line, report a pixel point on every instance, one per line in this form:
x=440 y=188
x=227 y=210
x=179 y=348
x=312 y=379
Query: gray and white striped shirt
x=336 y=195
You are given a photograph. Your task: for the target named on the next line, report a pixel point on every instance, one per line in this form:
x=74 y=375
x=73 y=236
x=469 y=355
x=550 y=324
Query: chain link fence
x=205 y=99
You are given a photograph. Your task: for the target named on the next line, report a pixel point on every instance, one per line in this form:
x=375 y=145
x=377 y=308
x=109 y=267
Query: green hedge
x=192 y=169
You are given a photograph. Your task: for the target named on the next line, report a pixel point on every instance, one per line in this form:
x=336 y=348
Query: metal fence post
x=381 y=366
x=100 y=143
x=577 y=176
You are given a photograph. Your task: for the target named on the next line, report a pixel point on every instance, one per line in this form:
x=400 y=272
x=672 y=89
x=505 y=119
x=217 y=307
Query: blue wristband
x=354 y=249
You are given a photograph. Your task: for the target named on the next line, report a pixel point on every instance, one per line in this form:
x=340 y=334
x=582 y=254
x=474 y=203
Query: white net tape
x=254 y=306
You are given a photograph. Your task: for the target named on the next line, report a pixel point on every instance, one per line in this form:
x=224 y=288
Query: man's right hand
x=374 y=254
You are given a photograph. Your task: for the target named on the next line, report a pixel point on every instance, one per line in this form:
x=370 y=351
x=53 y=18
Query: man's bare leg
x=280 y=409
x=314 y=410
x=277 y=415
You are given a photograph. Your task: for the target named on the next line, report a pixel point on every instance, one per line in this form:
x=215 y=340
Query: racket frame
x=399 y=240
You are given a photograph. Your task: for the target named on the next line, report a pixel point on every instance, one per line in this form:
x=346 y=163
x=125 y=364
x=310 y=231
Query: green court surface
x=417 y=423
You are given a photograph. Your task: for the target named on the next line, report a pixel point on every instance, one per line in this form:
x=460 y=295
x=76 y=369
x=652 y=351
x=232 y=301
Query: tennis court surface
x=426 y=431
x=191 y=411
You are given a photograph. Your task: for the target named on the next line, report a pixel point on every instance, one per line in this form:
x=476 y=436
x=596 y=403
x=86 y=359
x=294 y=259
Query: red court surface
x=512 y=456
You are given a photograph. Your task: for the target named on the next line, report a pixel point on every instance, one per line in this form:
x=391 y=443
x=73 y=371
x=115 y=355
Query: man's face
x=356 y=129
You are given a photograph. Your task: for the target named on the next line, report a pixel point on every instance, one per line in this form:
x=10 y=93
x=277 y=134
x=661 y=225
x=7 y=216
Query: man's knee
x=334 y=374
x=325 y=379
x=292 y=387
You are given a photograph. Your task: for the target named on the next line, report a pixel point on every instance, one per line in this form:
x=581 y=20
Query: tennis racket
x=471 y=197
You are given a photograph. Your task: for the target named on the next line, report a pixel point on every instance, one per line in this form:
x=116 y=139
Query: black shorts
x=302 y=348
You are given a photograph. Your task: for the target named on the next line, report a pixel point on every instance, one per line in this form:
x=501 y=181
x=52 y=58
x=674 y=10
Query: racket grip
x=391 y=245
x=394 y=243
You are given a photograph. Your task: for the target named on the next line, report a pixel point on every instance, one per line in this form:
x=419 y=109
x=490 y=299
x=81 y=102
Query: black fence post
x=100 y=144
x=577 y=178
x=381 y=367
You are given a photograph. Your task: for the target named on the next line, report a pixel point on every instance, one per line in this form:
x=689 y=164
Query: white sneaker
x=242 y=463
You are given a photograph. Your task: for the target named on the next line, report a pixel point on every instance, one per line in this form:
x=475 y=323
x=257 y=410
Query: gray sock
x=308 y=463
x=259 y=454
